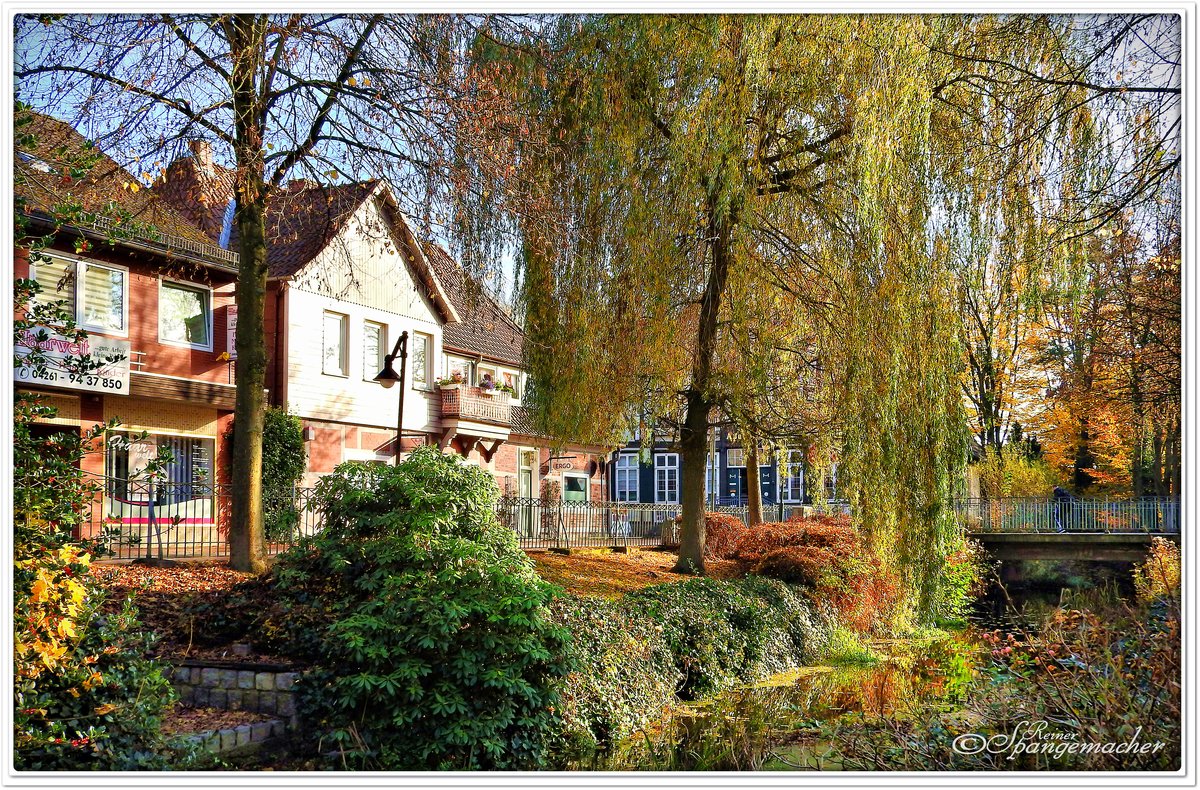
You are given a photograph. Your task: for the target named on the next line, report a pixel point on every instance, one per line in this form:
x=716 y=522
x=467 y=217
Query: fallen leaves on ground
x=608 y=574
x=185 y=719
x=161 y=594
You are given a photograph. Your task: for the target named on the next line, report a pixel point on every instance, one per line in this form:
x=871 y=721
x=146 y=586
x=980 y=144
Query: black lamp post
x=388 y=376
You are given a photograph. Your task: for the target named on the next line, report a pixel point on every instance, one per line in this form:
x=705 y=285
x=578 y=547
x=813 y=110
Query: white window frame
x=449 y=361
x=516 y=377
x=344 y=340
x=712 y=478
x=77 y=298
x=587 y=485
x=381 y=351
x=785 y=488
x=162 y=281
x=666 y=463
x=632 y=469
x=428 y=338
x=737 y=461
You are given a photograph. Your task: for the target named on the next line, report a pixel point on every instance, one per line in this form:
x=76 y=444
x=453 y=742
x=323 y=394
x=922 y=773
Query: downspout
x=281 y=345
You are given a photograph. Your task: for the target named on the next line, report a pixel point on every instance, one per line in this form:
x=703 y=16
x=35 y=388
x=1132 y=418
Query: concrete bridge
x=1101 y=546
x=1076 y=529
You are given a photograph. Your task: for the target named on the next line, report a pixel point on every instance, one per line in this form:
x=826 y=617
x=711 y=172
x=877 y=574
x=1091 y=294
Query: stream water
x=907 y=675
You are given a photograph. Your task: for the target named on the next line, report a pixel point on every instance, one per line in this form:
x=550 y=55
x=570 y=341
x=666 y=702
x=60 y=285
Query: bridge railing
x=1042 y=515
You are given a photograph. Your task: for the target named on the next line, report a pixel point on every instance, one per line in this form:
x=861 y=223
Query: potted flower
x=487 y=387
x=452 y=382
x=505 y=388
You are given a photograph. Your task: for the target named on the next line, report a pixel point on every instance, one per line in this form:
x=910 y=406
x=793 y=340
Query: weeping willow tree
x=821 y=167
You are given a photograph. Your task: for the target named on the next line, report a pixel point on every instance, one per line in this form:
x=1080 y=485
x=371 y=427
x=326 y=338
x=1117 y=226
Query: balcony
x=471 y=404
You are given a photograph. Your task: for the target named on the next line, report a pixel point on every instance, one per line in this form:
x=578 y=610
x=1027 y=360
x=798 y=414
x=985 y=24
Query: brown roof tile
x=43 y=183
x=302 y=218
x=485 y=329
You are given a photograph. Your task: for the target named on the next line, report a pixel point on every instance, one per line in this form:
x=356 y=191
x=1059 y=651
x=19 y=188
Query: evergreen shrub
x=725 y=632
x=624 y=674
x=428 y=625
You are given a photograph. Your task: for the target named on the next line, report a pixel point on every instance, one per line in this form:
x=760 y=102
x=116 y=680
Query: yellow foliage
x=45 y=618
x=1160 y=574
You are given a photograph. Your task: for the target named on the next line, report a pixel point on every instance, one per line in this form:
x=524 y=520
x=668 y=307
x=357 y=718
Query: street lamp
x=388 y=376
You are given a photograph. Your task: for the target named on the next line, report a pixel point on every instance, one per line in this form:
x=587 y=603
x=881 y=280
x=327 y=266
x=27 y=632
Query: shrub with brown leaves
x=722 y=532
x=827 y=556
x=832 y=533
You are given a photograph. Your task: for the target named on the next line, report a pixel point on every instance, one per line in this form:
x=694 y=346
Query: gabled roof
x=302 y=219
x=485 y=329
x=43 y=184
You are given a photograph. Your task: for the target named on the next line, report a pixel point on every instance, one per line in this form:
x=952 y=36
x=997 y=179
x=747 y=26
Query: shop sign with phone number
x=62 y=357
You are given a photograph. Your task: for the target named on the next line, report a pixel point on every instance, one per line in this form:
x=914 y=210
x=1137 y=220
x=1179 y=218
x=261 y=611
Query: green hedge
x=725 y=632
x=624 y=674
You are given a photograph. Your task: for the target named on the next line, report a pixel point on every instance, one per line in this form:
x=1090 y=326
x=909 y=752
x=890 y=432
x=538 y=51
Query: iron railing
x=161 y=520
x=175 y=520
x=566 y=524
x=1041 y=515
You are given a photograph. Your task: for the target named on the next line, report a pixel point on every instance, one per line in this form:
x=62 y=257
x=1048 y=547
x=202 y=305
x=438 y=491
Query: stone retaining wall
x=246 y=738
x=260 y=691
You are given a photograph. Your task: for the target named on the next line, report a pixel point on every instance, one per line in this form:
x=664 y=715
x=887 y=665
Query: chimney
x=202 y=155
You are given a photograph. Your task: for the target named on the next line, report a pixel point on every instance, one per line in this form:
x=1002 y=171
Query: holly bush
x=429 y=627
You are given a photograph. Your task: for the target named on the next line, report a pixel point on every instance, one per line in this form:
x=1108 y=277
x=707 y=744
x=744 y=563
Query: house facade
x=347 y=276
x=157 y=295
x=652 y=474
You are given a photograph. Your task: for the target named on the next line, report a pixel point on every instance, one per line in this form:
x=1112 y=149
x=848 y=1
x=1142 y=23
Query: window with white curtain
x=95 y=294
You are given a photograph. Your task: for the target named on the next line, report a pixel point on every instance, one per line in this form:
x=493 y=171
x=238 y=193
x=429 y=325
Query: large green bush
x=624 y=675
x=429 y=626
x=725 y=632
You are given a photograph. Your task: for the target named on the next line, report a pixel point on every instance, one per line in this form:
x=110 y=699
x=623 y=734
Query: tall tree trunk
x=754 y=515
x=693 y=437
x=1175 y=456
x=1084 y=460
x=246 y=530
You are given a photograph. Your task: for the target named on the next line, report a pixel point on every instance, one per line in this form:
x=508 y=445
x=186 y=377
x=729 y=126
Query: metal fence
x=1039 y=515
x=566 y=524
x=176 y=520
x=151 y=519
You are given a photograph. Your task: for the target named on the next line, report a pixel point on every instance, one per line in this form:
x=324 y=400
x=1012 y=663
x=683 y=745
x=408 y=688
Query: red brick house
x=149 y=283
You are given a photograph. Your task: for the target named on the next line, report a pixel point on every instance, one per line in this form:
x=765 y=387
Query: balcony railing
x=470 y=403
